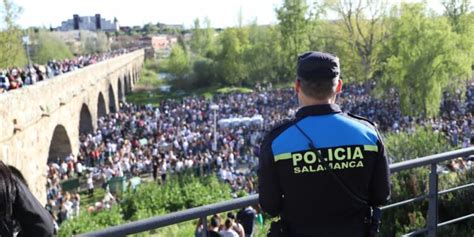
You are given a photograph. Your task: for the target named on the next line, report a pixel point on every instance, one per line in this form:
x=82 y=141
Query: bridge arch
x=125 y=85
x=136 y=74
x=134 y=78
x=112 y=103
x=120 y=89
x=131 y=79
x=128 y=84
x=85 y=120
x=101 y=107
x=60 y=145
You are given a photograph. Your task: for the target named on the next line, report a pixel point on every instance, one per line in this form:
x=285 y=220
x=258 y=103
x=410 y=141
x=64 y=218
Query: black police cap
x=317 y=65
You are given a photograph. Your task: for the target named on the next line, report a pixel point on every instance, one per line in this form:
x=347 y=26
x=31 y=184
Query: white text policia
x=337 y=158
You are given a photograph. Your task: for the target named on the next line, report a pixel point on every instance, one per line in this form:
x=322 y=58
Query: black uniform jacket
x=33 y=218
x=296 y=186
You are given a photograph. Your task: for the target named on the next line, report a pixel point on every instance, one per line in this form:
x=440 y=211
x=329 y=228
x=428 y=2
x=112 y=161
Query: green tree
x=231 y=66
x=48 y=46
x=150 y=29
x=264 y=54
x=202 y=39
x=178 y=64
x=294 y=23
x=12 y=52
x=204 y=72
x=425 y=59
x=462 y=22
x=456 y=10
x=362 y=28
x=197 y=39
x=94 y=42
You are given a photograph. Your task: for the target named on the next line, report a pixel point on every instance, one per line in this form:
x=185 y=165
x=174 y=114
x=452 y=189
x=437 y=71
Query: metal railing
x=204 y=211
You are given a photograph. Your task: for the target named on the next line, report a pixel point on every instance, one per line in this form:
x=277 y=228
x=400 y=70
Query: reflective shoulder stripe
x=283 y=156
x=371 y=148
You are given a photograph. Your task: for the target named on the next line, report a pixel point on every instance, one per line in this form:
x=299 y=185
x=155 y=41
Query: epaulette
x=362 y=118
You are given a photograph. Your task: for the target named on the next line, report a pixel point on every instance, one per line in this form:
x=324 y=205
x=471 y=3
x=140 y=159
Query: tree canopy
x=425 y=59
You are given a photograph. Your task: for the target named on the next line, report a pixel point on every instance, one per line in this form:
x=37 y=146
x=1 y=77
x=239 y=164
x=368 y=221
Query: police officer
x=323 y=170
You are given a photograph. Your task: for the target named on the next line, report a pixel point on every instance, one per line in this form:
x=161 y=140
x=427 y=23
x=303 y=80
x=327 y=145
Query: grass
x=87 y=201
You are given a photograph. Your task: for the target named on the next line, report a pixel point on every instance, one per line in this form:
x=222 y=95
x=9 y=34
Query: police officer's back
x=329 y=197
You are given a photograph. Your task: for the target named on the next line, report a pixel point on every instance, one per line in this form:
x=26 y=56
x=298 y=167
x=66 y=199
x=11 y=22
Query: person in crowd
x=228 y=230
x=214 y=227
x=236 y=226
x=247 y=216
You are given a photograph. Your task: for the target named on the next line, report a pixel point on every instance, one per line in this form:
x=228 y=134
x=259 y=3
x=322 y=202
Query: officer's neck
x=308 y=101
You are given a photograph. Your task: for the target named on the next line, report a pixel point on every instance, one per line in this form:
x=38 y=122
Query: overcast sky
x=222 y=13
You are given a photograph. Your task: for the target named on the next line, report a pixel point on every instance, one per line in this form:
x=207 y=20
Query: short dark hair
x=215 y=222
x=319 y=89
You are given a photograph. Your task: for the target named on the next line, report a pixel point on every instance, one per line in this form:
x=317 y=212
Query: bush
x=90 y=222
x=421 y=142
x=150 y=199
x=180 y=192
x=411 y=183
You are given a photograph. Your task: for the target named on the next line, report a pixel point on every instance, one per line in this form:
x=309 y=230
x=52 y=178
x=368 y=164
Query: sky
x=222 y=13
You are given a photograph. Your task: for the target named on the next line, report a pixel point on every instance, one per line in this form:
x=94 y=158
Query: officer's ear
x=297 y=86
x=339 y=86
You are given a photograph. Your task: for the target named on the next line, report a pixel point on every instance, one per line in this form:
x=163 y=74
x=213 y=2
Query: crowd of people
x=16 y=77
x=178 y=136
x=240 y=225
x=456 y=119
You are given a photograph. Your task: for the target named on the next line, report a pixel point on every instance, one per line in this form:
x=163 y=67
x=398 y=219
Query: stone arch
x=137 y=74
x=85 y=120
x=60 y=145
x=112 y=104
x=120 y=89
x=125 y=85
x=134 y=78
x=101 y=107
x=128 y=84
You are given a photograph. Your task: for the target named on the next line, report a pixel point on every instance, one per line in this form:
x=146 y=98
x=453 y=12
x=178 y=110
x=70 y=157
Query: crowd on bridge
x=17 y=77
x=178 y=136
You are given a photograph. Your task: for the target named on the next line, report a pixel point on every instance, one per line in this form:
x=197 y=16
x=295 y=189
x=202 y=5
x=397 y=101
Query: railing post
x=432 y=221
x=204 y=226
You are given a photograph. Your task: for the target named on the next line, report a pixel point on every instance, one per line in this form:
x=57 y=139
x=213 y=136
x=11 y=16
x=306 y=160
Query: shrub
x=411 y=183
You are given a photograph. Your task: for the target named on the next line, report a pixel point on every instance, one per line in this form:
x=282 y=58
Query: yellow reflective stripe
x=371 y=148
x=283 y=156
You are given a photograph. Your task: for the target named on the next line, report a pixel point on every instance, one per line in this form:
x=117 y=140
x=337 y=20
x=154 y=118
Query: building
x=91 y=23
x=159 y=45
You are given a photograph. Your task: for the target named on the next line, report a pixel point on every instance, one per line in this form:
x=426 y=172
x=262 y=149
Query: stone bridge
x=43 y=121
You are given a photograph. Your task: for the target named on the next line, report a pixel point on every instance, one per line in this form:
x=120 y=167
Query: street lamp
x=26 y=41
x=215 y=107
